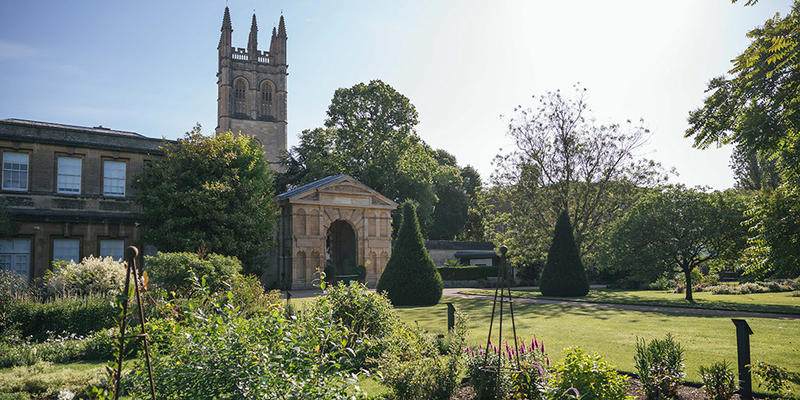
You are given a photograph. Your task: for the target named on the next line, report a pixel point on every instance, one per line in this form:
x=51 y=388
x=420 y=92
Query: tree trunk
x=688 y=273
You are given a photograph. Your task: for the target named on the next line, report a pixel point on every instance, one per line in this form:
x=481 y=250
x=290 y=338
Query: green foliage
x=174 y=271
x=774 y=223
x=61 y=316
x=659 y=364
x=450 y=213
x=466 y=272
x=593 y=377
x=43 y=380
x=775 y=378
x=756 y=109
x=410 y=277
x=719 y=381
x=677 y=230
x=212 y=191
x=563 y=273
x=93 y=275
x=565 y=160
x=434 y=378
x=16 y=352
x=369 y=135
x=247 y=293
x=212 y=351
x=330 y=273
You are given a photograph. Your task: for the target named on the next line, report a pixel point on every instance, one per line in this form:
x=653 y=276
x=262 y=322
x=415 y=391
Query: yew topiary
x=410 y=277
x=563 y=273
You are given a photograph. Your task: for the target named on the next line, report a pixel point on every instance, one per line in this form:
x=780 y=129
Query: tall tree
x=563 y=273
x=564 y=160
x=757 y=107
x=753 y=170
x=215 y=190
x=475 y=224
x=677 y=230
x=370 y=135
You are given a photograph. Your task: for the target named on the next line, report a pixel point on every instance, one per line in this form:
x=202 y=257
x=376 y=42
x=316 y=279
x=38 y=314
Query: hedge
x=467 y=273
x=70 y=315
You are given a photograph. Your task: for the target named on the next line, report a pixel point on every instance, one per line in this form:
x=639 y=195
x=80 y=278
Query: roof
x=96 y=129
x=458 y=245
x=309 y=186
x=97 y=137
x=475 y=253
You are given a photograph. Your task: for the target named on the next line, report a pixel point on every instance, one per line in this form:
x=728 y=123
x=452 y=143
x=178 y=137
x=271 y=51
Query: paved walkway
x=454 y=292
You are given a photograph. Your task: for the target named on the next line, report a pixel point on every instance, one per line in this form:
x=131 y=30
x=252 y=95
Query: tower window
x=239 y=97
x=265 y=109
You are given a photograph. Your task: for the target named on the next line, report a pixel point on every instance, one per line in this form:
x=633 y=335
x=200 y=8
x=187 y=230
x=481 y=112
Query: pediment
x=339 y=190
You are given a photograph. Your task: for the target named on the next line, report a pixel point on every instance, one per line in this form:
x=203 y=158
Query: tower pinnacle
x=252 y=43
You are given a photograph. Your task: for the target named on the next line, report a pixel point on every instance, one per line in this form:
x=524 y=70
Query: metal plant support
x=131 y=253
x=503 y=285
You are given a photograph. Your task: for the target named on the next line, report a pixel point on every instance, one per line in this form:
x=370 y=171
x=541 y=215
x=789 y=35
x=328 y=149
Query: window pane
x=66 y=250
x=113 y=178
x=15 y=171
x=112 y=248
x=69 y=175
x=15 y=255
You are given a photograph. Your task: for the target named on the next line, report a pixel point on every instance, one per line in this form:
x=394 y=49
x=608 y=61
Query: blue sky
x=149 y=66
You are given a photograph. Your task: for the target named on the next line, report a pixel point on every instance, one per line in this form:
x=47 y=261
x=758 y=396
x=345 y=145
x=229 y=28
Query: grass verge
x=779 y=303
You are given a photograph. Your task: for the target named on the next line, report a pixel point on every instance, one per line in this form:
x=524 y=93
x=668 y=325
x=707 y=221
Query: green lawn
x=613 y=333
x=782 y=302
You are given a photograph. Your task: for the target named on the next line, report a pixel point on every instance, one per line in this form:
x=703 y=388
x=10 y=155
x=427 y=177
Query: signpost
x=743 y=333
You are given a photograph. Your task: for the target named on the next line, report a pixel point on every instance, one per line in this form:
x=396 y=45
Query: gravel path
x=454 y=292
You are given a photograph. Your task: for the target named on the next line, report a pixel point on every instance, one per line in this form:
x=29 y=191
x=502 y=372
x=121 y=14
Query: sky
x=150 y=66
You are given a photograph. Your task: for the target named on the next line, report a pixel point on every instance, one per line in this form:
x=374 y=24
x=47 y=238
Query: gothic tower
x=252 y=89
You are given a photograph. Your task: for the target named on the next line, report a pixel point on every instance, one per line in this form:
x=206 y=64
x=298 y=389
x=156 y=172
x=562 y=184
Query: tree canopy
x=565 y=160
x=370 y=134
x=215 y=191
x=757 y=108
x=677 y=230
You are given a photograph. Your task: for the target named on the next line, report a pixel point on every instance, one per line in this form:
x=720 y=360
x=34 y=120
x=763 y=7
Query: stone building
x=335 y=221
x=252 y=88
x=68 y=190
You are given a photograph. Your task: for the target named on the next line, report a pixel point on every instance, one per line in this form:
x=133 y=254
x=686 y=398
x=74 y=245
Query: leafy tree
x=214 y=191
x=756 y=108
x=564 y=160
x=754 y=171
x=475 y=224
x=450 y=213
x=410 y=277
x=677 y=230
x=369 y=134
x=563 y=273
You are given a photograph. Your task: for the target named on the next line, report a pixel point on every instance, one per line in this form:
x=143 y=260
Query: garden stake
x=130 y=255
x=451 y=317
x=502 y=276
x=743 y=333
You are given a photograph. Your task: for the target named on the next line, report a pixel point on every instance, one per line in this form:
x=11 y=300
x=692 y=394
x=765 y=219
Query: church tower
x=252 y=89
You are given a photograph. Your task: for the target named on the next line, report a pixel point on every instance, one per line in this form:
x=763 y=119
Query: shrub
x=775 y=378
x=563 y=273
x=410 y=277
x=361 y=272
x=434 y=378
x=93 y=275
x=368 y=317
x=62 y=316
x=591 y=375
x=466 y=273
x=719 y=381
x=173 y=271
x=12 y=287
x=248 y=294
x=330 y=273
x=212 y=351
x=659 y=364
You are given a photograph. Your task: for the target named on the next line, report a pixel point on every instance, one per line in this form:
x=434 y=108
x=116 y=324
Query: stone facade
x=304 y=230
x=252 y=89
x=88 y=212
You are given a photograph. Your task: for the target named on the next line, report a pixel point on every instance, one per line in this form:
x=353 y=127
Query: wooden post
x=743 y=333
x=451 y=317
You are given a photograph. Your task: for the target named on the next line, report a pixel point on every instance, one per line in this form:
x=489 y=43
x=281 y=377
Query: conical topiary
x=563 y=274
x=410 y=277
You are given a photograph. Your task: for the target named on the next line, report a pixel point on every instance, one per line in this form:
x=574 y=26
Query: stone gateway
x=334 y=221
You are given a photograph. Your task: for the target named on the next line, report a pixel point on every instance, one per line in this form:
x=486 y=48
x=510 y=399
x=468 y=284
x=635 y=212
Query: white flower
x=65 y=394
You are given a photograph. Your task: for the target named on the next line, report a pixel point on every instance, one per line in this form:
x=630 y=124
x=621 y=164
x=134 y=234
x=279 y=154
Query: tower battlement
x=252 y=88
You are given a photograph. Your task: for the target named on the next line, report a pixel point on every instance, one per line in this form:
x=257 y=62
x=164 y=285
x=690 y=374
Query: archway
x=340 y=245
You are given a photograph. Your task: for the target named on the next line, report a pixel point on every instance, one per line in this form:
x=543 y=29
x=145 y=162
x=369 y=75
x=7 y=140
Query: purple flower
x=539 y=368
x=577 y=394
x=547 y=361
x=542 y=347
